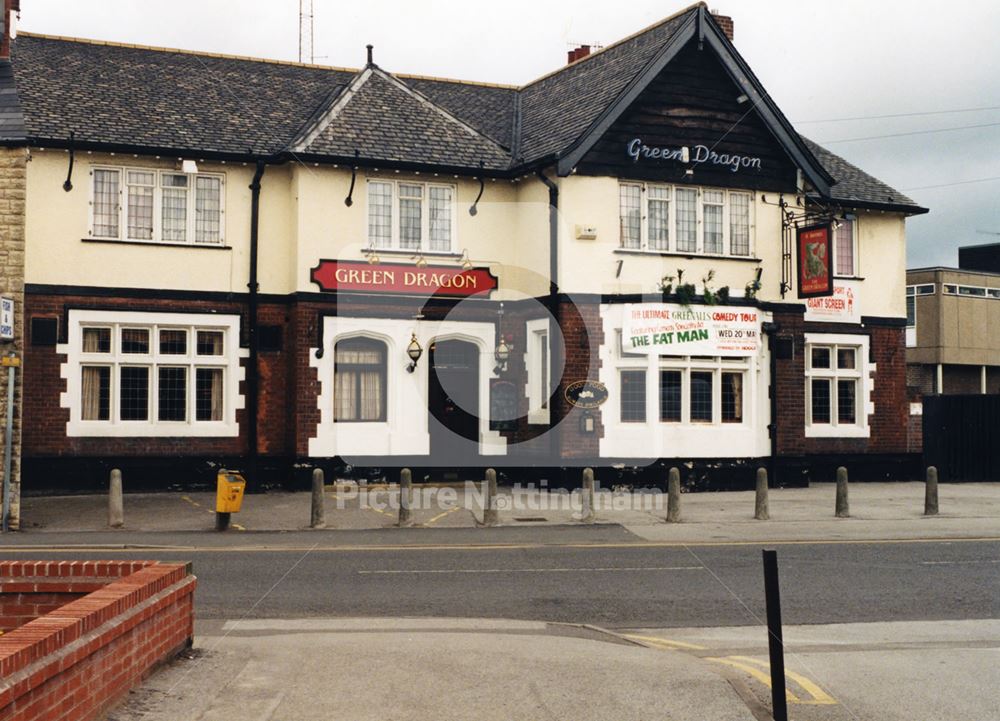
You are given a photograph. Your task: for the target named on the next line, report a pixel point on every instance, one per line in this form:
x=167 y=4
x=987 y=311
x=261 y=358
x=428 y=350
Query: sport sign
x=666 y=329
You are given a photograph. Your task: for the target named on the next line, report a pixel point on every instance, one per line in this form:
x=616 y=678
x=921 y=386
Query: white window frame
x=76 y=359
x=671 y=199
x=425 y=217
x=653 y=364
x=159 y=173
x=863 y=373
x=538 y=333
x=855 y=257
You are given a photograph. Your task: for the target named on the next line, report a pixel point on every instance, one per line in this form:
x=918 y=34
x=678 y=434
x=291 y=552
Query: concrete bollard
x=405 y=489
x=116 y=507
x=674 y=496
x=843 y=510
x=317 y=518
x=760 y=509
x=931 y=492
x=588 y=496
x=491 y=516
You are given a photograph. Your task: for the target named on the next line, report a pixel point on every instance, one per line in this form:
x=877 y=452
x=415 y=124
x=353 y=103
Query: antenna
x=306 y=49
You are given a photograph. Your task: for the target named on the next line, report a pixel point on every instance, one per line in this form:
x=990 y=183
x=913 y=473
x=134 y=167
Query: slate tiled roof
x=386 y=120
x=560 y=107
x=113 y=95
x=855 y=185
x=160 y=99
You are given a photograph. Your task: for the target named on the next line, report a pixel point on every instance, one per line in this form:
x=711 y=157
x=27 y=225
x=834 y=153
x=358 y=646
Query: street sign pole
x=11 y=362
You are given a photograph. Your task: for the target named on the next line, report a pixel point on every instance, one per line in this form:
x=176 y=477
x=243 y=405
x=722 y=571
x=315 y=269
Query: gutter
x=253 y=372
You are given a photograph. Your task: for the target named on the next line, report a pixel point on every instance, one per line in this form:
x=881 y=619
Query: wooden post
x=843 y=510
x=674 y=496
x=760 y=511
x=317 y=518
x=931 y=492
x=116 y=507
x=491 y=516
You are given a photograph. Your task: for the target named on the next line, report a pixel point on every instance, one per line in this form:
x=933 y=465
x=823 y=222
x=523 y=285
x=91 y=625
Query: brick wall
x=46 y=434
x=583 y=331
x=74 y=663
x=789 y=384
x=12 y=187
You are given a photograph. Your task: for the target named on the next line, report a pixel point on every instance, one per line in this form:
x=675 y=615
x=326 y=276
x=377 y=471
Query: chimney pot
x=577 y=54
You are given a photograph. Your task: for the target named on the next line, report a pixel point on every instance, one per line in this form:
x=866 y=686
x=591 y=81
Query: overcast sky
x=818 y=60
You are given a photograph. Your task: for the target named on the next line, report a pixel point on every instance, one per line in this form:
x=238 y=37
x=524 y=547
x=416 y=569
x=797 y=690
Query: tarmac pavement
x=879 y=511
x=406 y=668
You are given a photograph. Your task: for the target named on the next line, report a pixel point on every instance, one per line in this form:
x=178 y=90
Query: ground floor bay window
x=665 y=405
x=152 y=374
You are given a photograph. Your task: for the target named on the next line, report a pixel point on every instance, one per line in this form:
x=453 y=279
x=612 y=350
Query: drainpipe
x=252 y=375
x=556 y=354
x=771 y=331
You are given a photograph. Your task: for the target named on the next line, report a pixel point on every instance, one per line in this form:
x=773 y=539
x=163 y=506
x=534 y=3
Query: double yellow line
x=756 y=668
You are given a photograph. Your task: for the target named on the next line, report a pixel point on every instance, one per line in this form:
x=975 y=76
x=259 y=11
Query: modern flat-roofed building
x=953 y=325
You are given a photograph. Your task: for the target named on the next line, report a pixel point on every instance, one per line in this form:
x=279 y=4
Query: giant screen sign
x=669 y=329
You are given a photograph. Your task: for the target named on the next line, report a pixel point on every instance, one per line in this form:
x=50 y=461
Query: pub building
x=632 y=262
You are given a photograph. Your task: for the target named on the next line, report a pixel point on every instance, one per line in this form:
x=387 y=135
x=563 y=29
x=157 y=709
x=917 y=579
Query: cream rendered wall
x=57 y=222
x=500 y=235
x=882 y=254
x=589 y=266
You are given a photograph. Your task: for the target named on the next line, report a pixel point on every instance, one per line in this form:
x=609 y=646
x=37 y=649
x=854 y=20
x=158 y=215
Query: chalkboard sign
x=503 y=406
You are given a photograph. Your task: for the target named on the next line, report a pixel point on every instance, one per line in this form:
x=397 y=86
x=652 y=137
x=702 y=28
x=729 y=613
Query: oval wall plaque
x=586 y=394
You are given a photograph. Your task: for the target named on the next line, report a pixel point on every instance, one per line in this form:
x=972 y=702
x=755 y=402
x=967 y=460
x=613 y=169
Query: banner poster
x=842 y=306
x=668 y=329
x=815 y=261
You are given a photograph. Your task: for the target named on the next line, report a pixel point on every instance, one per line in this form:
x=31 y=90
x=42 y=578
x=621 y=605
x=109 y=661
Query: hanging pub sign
x=586 y=394
x=815 y=260
x=400 y=279
x=670 y=329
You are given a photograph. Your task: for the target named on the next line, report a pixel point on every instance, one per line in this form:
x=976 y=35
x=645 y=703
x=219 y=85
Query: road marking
x=607 y=569
x=958 y=563
x=439 y=516
x=756 y=673
x=195 y=503
x=665 y=642
x=820 y=697
x=35 y=548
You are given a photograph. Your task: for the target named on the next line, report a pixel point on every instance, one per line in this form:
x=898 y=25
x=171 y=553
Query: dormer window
x=410 y=216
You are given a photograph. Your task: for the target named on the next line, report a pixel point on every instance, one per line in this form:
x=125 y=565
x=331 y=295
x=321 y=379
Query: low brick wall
x=85 y=632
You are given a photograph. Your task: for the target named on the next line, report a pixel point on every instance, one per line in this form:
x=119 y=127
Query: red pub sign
x=399 y=279
x=815 y=261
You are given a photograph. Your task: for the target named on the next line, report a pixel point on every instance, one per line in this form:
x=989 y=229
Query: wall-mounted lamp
x=464 y=260
x=414 y=351
x=188 y=166
x=502 y=355
x=372 y=255
x=421 y=261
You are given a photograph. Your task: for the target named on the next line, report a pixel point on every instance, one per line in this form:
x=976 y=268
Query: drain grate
x=532 y=519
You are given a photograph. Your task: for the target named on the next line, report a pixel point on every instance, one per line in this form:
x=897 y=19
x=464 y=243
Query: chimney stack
x=725 y=24
x=577 y=54
x=7 y=32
